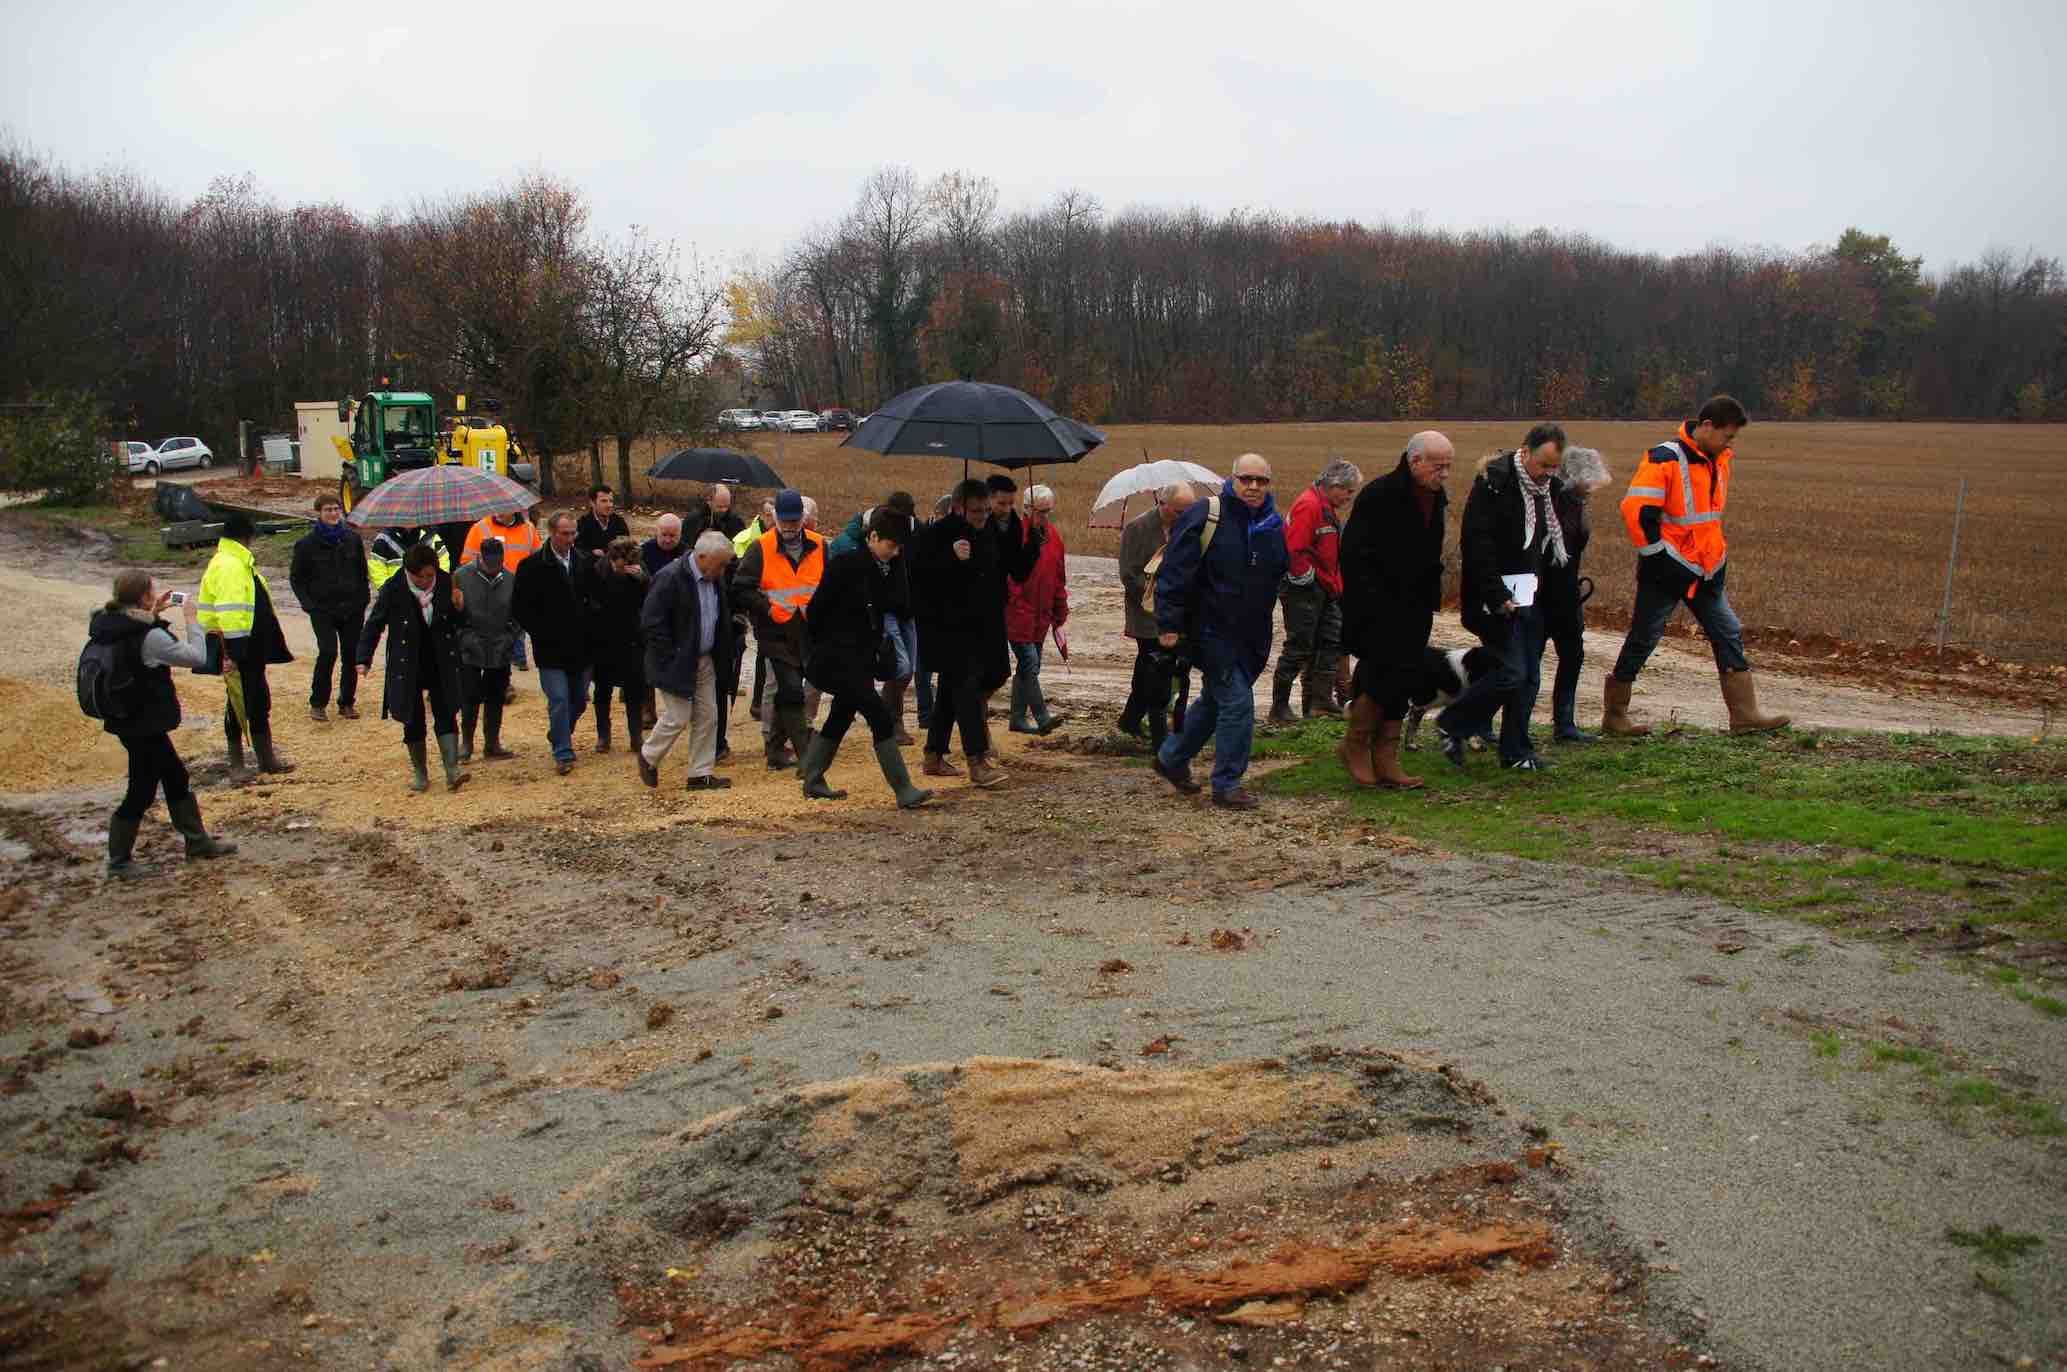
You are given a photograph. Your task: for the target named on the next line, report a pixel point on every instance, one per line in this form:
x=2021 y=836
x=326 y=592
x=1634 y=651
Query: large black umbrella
x=714 y=465
x=975 y=421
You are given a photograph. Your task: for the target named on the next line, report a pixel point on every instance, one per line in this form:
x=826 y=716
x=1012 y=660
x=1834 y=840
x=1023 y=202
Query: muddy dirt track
x=567 y=1074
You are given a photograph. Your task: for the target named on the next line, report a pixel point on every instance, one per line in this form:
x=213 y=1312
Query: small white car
x=170 y=455
x=801 y=421
x=775 y=419
x=738 y=421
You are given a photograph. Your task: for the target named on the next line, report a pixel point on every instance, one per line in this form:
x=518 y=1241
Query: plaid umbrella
x=448 y=494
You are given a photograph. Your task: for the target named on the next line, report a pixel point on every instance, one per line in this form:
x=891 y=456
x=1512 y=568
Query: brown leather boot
x=1358 y=740
x=1741 y=696
x=1614 y=711
x=1385 y=758
x=937 y=765
x=981 y=773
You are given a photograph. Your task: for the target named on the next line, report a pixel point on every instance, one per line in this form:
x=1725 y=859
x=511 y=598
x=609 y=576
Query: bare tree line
x=189 y=317
x=186 y=319
x=1151 y=314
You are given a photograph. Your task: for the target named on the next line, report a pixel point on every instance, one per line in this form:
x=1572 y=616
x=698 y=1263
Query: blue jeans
x=904 y=637
x=518 y=657
x=1026 y=687
x=1654 y=607
x=1511 y=688
x=566 y=697
x=1224 y=712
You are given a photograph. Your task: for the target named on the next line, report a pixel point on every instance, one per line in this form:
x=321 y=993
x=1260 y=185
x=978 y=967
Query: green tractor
x=399 y=431
x=392 y=431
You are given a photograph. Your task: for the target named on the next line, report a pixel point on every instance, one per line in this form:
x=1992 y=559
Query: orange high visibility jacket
x=790 y=588
x=1674 y=507
x=519 y=541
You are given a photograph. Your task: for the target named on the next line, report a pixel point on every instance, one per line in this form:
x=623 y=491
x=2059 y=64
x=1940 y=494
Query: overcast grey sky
x=732 y=128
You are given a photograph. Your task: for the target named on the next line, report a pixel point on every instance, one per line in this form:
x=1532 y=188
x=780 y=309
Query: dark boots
x=121 y=844
x=909 y=797
x=817 y=756
x=491 y=722
x=233 y=739
x=448 y=753
x=893 y=699
x=603 y=721
x=1281 y=701
x=1317 y=694
x=262 y=748
x=186 y=817
x=419 y=764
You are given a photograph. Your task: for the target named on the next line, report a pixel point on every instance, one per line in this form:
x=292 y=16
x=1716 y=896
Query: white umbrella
x=1109 y=511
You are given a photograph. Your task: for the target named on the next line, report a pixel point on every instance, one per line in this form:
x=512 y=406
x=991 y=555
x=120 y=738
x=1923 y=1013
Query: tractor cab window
x=362 y=428
x=408 y=425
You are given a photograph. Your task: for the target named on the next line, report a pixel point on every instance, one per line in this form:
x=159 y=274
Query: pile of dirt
x=1047 y=1213
x=49 y=744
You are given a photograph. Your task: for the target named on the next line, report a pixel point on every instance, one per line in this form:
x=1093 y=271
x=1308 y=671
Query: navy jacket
x=1227 y=603
x=672 y=622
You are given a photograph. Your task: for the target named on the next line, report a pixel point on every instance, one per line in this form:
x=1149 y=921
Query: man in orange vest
x=774 y=584
x=520 y=539
x=1674 y=512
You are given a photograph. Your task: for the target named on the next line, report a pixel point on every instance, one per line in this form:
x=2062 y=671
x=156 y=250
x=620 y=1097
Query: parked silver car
x=169 y=456
x=738 y=421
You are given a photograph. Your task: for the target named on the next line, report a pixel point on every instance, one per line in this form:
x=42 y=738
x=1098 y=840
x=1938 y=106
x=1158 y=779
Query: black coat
x=150 y=704
x=1560 y=592
x=672 y=622
x=847 y=619
x=1491 y=541
x=960 y=605
x=655 y=558
x=592 y=535
x=266 y=644
x=1392 y=571
x=417 y=652
x=619 y=648
x=556 y=608
x=330 y=578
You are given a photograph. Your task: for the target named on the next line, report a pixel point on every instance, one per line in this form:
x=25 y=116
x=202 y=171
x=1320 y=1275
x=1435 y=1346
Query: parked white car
x=738 y=421
x=169 y=456
x=801 y=421
x=775 y=419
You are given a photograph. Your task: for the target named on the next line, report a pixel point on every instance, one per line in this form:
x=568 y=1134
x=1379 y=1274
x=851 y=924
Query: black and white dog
x=1444 y=675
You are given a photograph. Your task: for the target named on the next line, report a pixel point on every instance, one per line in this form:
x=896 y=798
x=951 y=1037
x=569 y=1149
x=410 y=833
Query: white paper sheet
x=1521 y=588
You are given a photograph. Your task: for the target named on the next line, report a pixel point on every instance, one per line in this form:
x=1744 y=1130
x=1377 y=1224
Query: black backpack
x=105 y=680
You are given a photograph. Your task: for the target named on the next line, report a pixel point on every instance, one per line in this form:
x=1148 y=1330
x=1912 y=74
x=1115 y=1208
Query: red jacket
x=1039 y=603
x=1314 y=540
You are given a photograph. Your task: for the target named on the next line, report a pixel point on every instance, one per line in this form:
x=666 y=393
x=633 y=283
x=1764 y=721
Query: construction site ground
x=563 y=1073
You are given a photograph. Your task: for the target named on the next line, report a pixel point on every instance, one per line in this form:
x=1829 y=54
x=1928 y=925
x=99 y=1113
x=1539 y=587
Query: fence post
x=1959 y=511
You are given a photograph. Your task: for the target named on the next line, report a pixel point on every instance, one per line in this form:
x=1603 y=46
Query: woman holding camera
x=145 y=714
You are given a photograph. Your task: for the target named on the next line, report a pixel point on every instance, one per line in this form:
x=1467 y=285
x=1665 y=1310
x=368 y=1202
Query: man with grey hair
x=1392 y=585
x=688 y=630
x=1036 y=606
x=1312 y=595
x=1148 y=696
x=664 y=547
x=1215 y=592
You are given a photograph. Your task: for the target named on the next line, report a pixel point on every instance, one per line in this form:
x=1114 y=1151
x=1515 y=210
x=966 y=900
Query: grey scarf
x=1532 y=492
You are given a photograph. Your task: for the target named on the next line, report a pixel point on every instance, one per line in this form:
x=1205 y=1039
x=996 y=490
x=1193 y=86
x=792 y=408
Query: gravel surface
x=333 y=1101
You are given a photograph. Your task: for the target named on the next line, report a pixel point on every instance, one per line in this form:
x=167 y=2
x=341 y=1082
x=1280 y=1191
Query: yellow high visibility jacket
x=228 y=602
x=744 y=539
x=384 y=558
x=1674 y=506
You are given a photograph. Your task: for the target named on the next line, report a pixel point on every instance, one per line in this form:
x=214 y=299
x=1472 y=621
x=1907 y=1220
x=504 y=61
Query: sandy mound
x=1043 y=1213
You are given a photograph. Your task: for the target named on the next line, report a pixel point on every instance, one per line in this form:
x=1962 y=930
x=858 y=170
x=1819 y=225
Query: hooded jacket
x=1226 y=601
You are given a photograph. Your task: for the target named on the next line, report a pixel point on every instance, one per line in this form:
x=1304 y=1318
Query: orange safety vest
x=789 y=588
x=519 y=541
x=1688 y=490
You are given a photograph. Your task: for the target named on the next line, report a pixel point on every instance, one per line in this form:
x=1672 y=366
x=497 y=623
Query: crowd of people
x=945 y=611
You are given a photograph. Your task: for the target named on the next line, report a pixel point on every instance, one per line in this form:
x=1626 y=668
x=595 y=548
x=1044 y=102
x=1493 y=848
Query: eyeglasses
x=1252 y=480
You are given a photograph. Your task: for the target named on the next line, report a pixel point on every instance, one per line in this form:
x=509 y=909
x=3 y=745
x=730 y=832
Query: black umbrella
x=975 y=421
x=714 y=465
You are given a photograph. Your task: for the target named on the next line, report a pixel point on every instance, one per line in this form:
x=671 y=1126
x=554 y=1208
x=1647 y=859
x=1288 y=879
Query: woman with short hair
x=145 y=711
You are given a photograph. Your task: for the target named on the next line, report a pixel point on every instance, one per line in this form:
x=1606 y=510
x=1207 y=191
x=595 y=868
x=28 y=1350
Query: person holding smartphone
x=146 y=711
